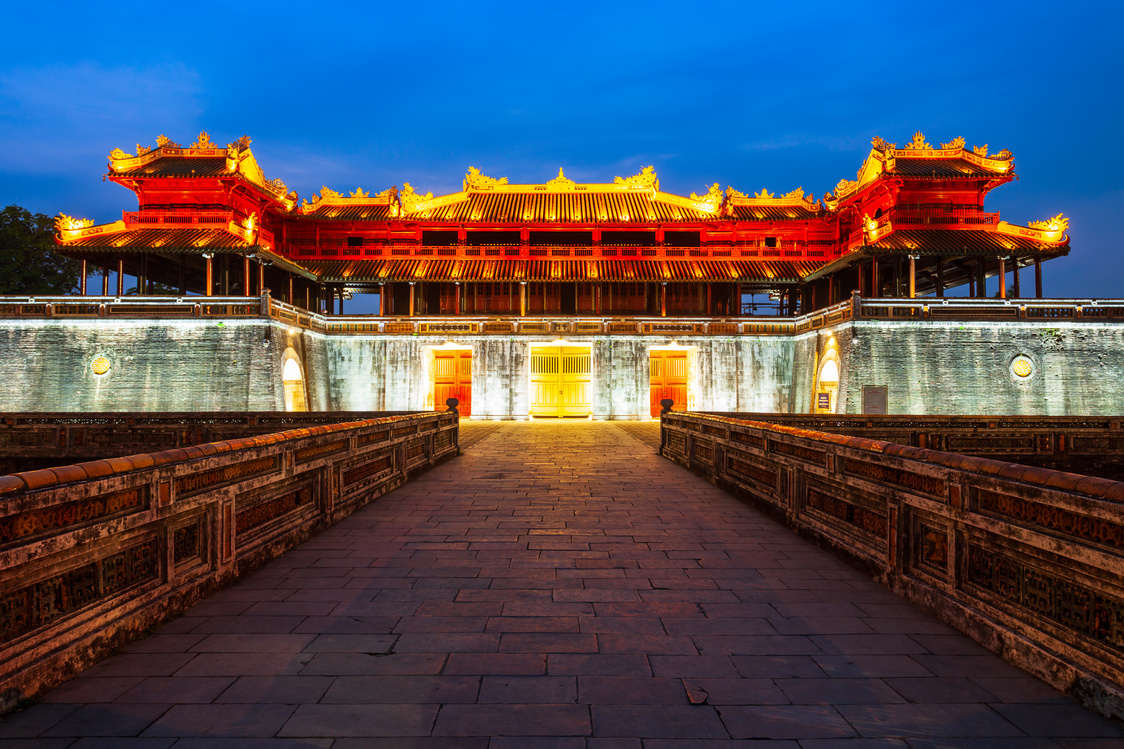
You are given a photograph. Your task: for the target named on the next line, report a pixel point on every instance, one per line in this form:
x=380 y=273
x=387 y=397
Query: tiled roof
x=330 y=212
x=635 y=207
x=941 y=168
x=805 y=211
x=366 y=271
x=162 y=240
x=179 y=166
x=962 y=242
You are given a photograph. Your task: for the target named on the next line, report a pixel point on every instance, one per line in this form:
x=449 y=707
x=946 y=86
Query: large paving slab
x=559 y=585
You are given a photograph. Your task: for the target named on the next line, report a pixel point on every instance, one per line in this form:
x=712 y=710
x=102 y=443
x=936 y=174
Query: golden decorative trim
x=1051 y=230
x=71 y=235
x=796 y=197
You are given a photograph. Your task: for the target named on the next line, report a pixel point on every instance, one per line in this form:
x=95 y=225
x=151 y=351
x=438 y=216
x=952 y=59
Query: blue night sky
x=745 y=94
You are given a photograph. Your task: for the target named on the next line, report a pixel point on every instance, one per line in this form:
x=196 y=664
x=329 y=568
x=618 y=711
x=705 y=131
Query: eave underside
x=593 y=271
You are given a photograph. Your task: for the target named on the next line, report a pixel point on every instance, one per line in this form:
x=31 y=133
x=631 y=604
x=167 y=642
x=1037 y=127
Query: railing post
x=265 y=305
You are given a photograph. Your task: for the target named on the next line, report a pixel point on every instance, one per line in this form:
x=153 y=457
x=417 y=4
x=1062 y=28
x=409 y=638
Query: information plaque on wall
x=823 y=400
x=874 y=399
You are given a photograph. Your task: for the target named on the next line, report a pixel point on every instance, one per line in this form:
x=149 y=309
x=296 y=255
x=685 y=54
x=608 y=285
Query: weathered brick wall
x=157 y=365
x=938 y=367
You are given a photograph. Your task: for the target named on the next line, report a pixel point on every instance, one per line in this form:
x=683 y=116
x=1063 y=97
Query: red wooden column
x=710 y=300
x=291 y=299
x=912 y=276
x=261 y=277
x=663 y=299
x=82 y=281
x=1037 y=277
x=1002 y=278
x=411 y=299
x=245 y=276
x=875 y=289
x=209 y=259
x=120 y=276
x=456 y=299
x=522 y=298
x=105 y=279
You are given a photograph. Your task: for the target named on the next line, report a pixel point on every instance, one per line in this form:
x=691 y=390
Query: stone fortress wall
x=926 y=366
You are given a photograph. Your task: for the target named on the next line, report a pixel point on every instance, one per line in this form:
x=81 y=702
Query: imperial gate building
x=561 y=299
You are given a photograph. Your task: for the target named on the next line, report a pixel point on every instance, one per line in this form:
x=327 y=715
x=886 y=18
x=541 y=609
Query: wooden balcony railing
x=1025 y=560
x=177 y=217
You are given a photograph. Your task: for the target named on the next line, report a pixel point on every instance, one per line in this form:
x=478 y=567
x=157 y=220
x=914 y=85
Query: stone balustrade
x=1043 y=311
x=1026 y=560
x=44 y=440
x=94 y=554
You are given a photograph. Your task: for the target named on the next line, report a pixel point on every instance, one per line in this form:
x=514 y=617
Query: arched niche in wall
x=292 y=382
x=827 y=384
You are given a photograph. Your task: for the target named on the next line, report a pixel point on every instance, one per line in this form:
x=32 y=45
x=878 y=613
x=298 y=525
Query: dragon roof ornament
x=474 y=180
x=1058 y=223
x=643 y=180
x=69 y=223
x=713 y=196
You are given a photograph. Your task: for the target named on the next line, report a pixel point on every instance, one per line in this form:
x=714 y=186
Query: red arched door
x=452 y=378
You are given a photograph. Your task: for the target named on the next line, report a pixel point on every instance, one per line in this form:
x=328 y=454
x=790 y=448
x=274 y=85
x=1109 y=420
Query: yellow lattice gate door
x=560 y=381
x=452 y=378
x=668 y=379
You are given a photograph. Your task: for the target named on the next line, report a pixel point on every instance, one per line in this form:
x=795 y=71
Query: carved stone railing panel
x=93 y=554
x=1026 y=560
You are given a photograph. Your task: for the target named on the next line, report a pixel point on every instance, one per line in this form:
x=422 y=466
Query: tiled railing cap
x=19 y=483
x=1089 y=486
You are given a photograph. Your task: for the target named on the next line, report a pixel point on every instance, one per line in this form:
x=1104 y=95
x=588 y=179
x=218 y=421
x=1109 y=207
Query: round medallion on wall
x=100 y=365
x=1022 y=369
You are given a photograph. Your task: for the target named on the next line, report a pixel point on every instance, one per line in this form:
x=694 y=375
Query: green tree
x=29 y=262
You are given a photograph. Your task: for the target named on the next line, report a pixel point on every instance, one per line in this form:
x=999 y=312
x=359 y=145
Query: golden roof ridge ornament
x=957 y=144
x=204 y=143
x=918 y=143
x=163 y=141
x=561 y=183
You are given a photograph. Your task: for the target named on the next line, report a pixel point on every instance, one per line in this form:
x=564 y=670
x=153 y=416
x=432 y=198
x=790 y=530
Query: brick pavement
x=562 y=586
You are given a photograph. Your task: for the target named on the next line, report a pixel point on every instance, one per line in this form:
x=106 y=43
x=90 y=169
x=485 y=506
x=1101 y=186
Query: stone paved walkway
x=559 y=585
